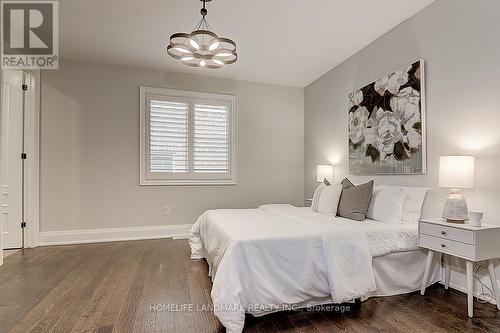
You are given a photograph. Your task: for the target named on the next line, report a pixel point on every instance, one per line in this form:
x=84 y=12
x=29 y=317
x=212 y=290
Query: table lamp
x=456 y=172
x=324 y=172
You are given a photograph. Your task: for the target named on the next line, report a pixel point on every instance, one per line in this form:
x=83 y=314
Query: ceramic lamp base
x=455 y=208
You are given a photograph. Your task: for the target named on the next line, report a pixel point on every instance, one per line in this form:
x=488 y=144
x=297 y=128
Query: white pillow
x=414 y=199
x=316 y=195
x=326 y=199
x=386 y=205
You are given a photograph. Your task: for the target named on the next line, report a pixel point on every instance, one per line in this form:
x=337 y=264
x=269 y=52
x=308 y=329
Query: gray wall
x=90 y=149
x=458 y=39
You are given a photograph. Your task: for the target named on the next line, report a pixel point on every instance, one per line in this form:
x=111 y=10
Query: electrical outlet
x=166 y=210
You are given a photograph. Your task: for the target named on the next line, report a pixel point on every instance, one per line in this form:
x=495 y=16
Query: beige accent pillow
x=355 y=200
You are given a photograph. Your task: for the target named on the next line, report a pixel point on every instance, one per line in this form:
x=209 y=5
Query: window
x=186 y=137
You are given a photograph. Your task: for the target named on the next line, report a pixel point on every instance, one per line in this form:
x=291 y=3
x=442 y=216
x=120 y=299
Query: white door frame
x=1 y=111
x=32 y=162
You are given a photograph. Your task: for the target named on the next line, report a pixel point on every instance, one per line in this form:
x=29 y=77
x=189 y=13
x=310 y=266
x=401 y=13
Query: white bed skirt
x=402 y=272
x=395 y=274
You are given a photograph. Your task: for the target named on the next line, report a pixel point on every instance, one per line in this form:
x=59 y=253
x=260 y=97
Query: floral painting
x=386 y=124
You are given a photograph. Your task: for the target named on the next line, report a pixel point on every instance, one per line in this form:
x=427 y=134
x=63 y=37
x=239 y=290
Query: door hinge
x=23 y=224
x=25 y=87
x=24 y=156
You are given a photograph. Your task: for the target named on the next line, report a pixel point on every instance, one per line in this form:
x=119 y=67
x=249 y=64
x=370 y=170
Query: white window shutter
x=211 y=139
x=168 y=136
x=187 y=137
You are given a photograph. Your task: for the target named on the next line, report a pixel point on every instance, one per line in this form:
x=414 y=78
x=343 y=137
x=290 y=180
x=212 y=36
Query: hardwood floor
x=112 y=287
x=7 y=253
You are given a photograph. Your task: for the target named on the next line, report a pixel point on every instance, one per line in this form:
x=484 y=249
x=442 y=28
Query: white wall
x=458 y=39
x=90 y=149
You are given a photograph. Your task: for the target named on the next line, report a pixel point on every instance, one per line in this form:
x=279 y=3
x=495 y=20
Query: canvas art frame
x=386 y=124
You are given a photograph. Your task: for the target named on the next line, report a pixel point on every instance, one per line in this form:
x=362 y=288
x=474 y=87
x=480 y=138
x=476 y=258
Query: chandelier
x=202 y=47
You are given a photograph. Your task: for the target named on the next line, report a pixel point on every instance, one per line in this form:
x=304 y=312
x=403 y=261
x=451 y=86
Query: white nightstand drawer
x=447 y=246
x=451 y=233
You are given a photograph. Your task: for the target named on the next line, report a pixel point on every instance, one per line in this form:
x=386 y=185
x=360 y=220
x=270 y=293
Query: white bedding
x=266 y=259
x=384 y=238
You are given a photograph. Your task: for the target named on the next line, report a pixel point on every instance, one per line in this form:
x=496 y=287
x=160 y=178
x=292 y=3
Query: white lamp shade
x=456 y=171
x=324 y=171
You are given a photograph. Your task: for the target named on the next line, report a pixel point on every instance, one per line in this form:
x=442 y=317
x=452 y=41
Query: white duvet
x=268 y=259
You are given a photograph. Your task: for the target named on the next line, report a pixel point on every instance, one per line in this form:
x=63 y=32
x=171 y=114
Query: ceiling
x=287 y=42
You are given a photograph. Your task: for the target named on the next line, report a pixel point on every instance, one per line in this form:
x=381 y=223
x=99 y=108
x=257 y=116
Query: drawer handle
x=443 y=232
x=442 y=245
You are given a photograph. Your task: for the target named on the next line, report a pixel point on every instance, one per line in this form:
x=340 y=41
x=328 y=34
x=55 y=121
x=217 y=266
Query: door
x=12 y=132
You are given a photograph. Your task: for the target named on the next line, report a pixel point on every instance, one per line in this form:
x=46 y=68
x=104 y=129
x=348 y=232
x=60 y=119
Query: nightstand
x=463 y=241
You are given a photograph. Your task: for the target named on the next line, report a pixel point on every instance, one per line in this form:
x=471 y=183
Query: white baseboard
x=65 y=237
x=464 y=290
x=181 y=236
x=458 y=281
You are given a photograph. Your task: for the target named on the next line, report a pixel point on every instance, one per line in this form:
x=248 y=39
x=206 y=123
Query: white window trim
x=143 y=151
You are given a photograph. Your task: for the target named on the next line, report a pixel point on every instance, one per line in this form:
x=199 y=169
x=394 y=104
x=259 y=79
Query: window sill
x=194 y=182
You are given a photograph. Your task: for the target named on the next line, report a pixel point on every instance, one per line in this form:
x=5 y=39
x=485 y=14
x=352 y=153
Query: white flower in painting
x=397 y=79
x=406 y=107
x=357 y=124
x=355 y=98
x=413 y=138
x=388 y=131
x=381 y=85
x=406 y=103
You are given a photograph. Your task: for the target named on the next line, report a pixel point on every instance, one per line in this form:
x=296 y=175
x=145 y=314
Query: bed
x=281 y=257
